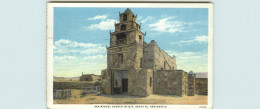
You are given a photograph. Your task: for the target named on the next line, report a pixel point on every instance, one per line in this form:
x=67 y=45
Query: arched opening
x=124 y=17
x=121 y=38
x=140 y=38
x=123 y=27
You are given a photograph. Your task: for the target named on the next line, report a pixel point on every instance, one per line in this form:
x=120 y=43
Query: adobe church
x=135 y=67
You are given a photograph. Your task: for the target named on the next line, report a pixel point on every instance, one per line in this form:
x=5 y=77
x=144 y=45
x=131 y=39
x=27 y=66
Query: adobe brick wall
x=154 y=58
x=184 y=83
x=191 y=85
x=201 y=86
x=168 y=82
x=139 y=82
x=106 y=82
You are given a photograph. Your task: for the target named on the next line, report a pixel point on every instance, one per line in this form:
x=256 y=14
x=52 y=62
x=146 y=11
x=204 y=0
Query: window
x=141 y=63
x=123 y=27
x=140 y=37
x=121 y=38
x=164 y=65
x=120 y=59
x=125 y=17
x=151 y=81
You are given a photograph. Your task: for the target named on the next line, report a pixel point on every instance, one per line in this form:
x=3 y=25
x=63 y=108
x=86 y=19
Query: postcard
x=129 y=55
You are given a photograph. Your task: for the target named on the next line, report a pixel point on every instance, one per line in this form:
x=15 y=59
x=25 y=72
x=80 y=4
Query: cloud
x=103 y=24
x=72 y=57
x=202 y=38
x=196 y=39
x=147 y=19
x=196 y=61
x=98 y=17
x=94 y=57
x=64 y=57
x=185 y=55
x=168 y=24
x=79 y=59
x=107 y=24
x=64 y=46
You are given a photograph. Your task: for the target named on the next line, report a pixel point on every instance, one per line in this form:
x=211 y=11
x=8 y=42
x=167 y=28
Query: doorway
x=124 y=85
x=120 y=81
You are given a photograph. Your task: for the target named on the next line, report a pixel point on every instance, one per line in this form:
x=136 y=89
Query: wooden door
x=124 y=85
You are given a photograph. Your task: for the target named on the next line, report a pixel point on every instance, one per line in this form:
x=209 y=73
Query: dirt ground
x=78 y=98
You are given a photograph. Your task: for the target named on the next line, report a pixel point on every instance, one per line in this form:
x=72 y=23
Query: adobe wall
x=156 y=58
x=184 y=82
x=117 y=80
x=132 y=55
x=106 y=85
x=130 y=15
x=201 y=86
x=129 y=26
x=160 y=57
x=96 y=77
x=89 y=77
x=148 y=59
x=168 y=82
x=149 y=81
x=191 y=85
x=138 y=82
x=128 y=55
x=130 y=37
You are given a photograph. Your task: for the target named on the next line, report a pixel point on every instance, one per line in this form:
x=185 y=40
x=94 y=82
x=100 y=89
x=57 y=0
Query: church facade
x=135 y=67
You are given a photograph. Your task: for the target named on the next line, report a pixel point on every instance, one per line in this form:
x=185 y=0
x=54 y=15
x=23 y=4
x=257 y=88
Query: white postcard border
x=49 y=42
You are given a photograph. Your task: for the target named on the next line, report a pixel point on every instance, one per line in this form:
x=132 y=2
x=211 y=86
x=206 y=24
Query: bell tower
x=126 y=43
